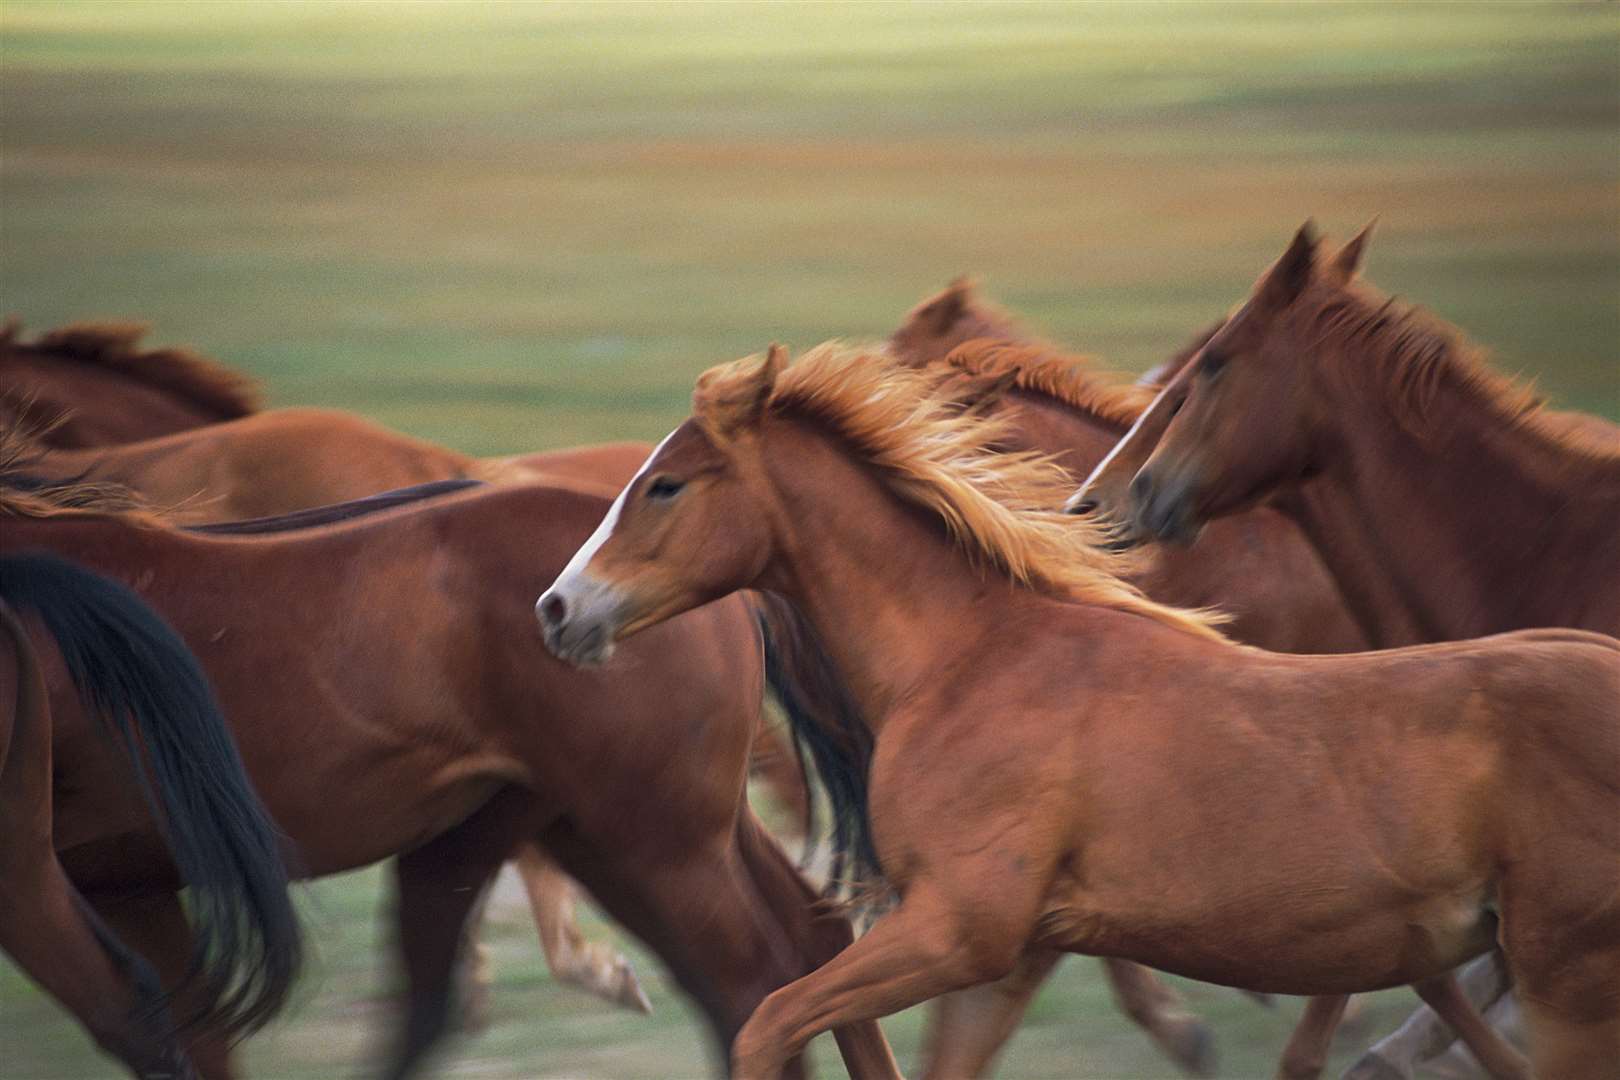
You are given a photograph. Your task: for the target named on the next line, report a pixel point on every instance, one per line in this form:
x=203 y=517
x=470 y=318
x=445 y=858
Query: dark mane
x=828 y=726
x=186 y=374
x=335 y=512
x=1410 y=354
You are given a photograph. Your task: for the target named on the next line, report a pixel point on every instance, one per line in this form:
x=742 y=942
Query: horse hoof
x=1373 y=1067
x=630 y=994
x=1195 y=1050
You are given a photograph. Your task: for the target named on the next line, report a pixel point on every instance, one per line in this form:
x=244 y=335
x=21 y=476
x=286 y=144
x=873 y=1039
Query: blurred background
x=511 y=227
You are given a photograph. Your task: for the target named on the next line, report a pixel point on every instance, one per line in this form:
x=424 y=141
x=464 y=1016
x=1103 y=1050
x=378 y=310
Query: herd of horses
x=1284 y=668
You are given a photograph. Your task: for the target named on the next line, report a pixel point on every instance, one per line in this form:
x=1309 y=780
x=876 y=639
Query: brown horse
x=1368 y=391
x=1041 y=735
x=284 y=460
x=1417 y=472
x=450 y=744
x=90 y=384
x=129 y=668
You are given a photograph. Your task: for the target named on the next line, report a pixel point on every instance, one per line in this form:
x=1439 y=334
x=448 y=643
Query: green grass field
x=509 y=227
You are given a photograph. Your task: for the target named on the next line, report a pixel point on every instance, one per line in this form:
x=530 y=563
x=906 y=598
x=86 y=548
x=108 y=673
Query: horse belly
x=1284 y=940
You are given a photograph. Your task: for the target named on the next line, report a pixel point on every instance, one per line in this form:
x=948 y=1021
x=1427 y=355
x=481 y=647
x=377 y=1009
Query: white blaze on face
x=582 y=557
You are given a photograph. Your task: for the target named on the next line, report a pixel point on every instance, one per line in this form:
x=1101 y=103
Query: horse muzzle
x=579 y=619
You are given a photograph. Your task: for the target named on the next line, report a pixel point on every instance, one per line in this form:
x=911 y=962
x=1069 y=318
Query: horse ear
x=776 y=358
x=1288 y=277
x=943 y=311
x=1347 y=262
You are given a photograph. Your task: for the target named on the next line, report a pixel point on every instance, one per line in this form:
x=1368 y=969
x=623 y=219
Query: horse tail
x=137 y=673
x=827 y=726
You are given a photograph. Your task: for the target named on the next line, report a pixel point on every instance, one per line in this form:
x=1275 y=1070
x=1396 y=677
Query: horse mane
x=187 y=374
x=1409 y=354
x=1041 y=369
x=26 y=495
x=1002 y=507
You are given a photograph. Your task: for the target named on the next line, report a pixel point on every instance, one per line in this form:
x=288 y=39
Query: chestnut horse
x=449 y=744
x=1041 y=735
x=90 y=384
x=131 y=672
x=1256 y=567
x=1420 y=473
x=1366 y=392
x=283 y=460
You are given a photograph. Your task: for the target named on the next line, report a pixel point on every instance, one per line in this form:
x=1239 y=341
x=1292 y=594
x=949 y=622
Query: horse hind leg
x=52 y=934
x=154 y=926
x=593 y=966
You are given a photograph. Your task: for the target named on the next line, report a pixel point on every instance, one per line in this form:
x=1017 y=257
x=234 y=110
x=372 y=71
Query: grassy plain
x=507 y=227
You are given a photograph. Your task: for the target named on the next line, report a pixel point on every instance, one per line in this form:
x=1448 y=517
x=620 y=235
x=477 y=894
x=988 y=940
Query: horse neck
x=1471 y=526
x=892 y=597
x=1077 y=438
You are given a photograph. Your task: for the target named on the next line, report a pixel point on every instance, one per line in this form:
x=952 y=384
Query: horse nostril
x=553 y=609
x=1087 y=505
x=1141 y=487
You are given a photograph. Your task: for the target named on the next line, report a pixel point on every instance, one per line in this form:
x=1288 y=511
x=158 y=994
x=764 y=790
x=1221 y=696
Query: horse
x=1038 y=735
x=1414 y=468
x=450 y=744
x=90 y=384
x=144 y=687
x=1256 y=567
x=280 y=461
x=1384 y=407
x=283 y=460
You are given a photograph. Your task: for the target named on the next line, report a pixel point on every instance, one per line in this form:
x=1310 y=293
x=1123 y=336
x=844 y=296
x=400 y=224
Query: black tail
x=136 y=672
x=827 y=724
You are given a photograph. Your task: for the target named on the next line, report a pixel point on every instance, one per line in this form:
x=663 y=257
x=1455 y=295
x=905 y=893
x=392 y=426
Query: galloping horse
x=1256 y=567
x=90 y=384
x=450 y=742
x=1041 y=737
x=132 y=673
x=1400 y=452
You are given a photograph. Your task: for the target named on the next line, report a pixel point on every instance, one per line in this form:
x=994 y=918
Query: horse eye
x=1212 y=364
x=664 y=487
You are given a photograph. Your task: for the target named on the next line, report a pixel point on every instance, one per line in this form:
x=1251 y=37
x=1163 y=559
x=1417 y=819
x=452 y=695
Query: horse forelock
x=1003 y=507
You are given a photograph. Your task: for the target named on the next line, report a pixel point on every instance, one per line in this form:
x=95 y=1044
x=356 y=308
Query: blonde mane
x=24 y=495
x=1409 y=355
x=203 y=381
x=905 y=423
x=1067 y=379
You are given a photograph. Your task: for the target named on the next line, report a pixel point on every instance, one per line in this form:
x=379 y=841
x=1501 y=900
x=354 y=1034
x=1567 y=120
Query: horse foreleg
x=967 y=1028
x=695 y=904
x=438 y=885
x=593 y=966
x=818 y=935
x=1425 y=1034
x=925 y=947
x=1158 y=1010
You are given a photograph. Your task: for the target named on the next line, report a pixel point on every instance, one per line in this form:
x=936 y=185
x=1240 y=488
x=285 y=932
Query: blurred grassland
x=507 y=227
